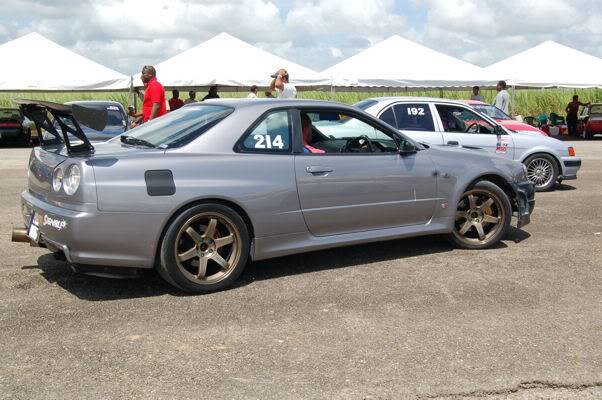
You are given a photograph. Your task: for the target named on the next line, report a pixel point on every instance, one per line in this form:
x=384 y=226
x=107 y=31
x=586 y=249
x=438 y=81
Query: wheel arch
x=215 y=200
x=499 y=181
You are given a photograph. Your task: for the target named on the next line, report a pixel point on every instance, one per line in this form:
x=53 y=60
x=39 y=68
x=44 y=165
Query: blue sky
x=124 y=34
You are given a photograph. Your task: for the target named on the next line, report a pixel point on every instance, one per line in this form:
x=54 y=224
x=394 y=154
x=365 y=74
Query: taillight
x=10 y=125
x=571 y=152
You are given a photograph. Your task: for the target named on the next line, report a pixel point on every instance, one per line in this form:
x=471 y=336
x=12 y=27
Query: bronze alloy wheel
x=207 y=248
x=480 y=218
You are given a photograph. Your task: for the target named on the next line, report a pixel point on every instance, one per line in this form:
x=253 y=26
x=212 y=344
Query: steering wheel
x=360 y=144
x=471 y=125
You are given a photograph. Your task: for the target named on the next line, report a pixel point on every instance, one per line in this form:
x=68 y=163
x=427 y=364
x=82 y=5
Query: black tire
x=542 y=171
x=223 y=262
x=499 y=208
x=26 y=139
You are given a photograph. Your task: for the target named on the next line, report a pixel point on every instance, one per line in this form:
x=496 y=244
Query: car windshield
x=9 y=114
x=179 y=127
x=491 y=111
x=596 y=109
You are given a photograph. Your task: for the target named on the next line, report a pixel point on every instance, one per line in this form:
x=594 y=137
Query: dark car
x=14 y=127
x=116 y=123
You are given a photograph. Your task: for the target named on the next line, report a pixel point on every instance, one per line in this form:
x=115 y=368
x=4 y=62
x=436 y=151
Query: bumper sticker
x=57 y=224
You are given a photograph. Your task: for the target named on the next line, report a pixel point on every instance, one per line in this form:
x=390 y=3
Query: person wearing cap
x=281 y=84
x=252 y=92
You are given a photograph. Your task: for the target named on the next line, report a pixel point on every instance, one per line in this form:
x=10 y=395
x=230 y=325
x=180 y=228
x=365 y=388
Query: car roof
x=393 y=99
x=96 y=102
x=268 y=103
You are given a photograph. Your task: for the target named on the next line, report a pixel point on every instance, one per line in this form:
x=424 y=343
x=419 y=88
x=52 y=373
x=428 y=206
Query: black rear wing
x=38 y=111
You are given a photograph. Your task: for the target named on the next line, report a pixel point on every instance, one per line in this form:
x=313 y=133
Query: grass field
x=527 y=101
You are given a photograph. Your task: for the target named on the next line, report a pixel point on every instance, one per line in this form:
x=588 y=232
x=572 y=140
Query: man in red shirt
x=153 y=105
x=175 y=102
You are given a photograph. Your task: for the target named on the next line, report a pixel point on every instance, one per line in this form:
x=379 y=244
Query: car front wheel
x=482 y=217
x=542 y=171
x=205 y=249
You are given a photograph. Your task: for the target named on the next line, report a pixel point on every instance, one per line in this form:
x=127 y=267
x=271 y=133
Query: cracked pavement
x=411 y=318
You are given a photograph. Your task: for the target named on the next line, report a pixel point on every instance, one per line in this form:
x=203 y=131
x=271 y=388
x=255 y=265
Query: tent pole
x=513 y=100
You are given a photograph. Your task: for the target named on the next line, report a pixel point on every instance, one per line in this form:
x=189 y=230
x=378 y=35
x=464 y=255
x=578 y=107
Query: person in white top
x=281 y=84
x=502 y=98
x=252 y=92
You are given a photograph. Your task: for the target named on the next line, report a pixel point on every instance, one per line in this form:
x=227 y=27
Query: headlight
x=71 y=180
x=57 y=179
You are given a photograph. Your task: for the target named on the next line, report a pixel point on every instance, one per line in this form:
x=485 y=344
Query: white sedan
x=446 y=122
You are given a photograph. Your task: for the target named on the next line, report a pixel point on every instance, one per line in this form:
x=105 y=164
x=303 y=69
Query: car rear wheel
x=26 y=139
x=482 y=218
x=205 y=249
x=542 y=171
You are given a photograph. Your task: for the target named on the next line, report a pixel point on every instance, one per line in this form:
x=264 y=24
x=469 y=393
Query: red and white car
x=502 y=118
x=590 y=121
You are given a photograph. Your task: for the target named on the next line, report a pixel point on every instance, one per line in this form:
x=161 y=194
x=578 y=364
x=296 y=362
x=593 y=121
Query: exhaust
x=20 y=235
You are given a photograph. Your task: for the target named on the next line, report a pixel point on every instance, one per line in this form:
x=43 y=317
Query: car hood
x=518 y=126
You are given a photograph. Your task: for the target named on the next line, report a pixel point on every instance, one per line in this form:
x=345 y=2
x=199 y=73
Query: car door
x=463 y=127
x=358 y=180
x=414 y=119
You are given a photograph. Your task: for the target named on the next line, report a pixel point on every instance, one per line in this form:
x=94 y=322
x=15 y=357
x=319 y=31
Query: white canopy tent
x=398 y=62
x=550 y=64
x=34 y=63
x=227 y=61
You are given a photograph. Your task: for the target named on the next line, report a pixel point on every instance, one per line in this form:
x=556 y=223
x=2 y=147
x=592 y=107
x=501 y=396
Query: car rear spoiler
x=38 y=111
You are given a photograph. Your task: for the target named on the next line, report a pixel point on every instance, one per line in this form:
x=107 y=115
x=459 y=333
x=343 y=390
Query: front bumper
x=570 y=166
x=88 y=236
x=525 y=202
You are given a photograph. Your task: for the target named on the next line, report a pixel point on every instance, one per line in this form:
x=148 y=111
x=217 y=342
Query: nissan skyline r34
x=201 y=191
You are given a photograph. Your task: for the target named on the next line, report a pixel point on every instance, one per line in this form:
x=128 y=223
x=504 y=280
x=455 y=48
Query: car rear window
x=365 y=104
x=181 y=126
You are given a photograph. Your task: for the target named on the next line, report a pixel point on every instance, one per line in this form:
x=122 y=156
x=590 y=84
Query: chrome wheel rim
x=540 y=171
x=208 y=247
x=479 y=216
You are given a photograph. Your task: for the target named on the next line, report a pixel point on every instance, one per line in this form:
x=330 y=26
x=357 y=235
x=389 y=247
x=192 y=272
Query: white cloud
x=125 y=34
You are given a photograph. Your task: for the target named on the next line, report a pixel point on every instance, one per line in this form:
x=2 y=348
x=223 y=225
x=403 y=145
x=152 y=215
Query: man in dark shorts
x=572 y=109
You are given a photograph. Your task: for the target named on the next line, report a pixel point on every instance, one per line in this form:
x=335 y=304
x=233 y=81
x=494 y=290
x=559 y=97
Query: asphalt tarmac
x=411 y=318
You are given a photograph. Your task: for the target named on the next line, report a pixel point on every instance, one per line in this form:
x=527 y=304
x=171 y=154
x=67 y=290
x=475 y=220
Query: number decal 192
x=415 y=111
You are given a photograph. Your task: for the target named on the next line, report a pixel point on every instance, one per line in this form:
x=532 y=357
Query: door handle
x=317 y=169
x=453 y=142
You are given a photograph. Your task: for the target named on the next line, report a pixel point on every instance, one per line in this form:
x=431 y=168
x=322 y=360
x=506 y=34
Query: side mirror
x=498 y=130
x=407 y=148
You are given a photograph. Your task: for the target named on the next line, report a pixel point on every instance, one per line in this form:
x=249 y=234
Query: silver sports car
x=201 y=190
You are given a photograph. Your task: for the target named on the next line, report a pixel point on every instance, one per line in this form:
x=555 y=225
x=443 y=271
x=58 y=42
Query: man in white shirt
x=281 y=84
x=502 y=98
x=252 y=92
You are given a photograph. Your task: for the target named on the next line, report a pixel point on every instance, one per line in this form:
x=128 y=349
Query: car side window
x=414 y=117
x=336 y=132
x=271 y=135
x=460 y=119
x=388 y=117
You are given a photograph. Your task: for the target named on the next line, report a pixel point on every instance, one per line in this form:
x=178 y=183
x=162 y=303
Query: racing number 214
x=266 y=142
x=415 y=111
